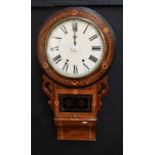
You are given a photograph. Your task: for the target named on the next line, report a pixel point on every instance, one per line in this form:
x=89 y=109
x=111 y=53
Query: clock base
x=76 y=133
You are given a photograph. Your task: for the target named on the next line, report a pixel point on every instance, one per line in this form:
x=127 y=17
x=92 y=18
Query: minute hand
x=74 y=27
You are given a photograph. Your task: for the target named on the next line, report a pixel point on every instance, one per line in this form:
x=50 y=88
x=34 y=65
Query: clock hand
x=74 y=27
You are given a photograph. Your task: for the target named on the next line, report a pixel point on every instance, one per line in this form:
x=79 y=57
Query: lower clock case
x=75 y=110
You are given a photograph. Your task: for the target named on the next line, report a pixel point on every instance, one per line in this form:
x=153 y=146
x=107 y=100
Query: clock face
x=75 y=48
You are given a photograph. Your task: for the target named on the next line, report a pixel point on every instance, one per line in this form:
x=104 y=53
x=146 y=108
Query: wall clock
x=75 y=50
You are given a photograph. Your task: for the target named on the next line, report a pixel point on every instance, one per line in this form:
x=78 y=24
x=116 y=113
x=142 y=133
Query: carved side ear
x=46 y=87
x=104 y=87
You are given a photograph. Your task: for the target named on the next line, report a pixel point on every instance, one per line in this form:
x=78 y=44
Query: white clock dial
x=75 y=48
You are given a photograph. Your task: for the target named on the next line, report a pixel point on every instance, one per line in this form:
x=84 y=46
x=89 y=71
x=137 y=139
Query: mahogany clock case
x=109 y=127
x=76 y=122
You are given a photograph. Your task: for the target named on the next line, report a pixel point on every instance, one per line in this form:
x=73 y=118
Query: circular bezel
x=107 y=36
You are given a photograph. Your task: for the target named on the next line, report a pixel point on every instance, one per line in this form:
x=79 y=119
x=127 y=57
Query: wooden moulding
x=99 y=22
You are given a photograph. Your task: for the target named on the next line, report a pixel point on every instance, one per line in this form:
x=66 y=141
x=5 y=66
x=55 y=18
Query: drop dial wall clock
x=75 y=50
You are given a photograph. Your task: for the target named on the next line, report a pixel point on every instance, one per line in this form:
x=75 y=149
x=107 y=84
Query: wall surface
x=110 y=119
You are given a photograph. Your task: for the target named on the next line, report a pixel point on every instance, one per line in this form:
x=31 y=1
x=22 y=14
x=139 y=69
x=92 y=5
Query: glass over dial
x=75 y=48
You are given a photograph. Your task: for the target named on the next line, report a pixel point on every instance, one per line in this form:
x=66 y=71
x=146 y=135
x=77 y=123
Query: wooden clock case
x=76 y=125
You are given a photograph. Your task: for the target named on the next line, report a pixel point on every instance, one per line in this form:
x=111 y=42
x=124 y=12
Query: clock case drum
x=76 y=102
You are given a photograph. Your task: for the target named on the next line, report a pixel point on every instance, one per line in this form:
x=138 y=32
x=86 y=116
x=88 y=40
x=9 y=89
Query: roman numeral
x=75 y=27
x=93 y=37
x=85 y=29
x=65 y=66
x=85 y=66
x=96 y=48
x=57 y=37
x=83 y=61
x=63 y=29
x=54 y=48
x=57 y=59
x=92 y=58
x=75 y=69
